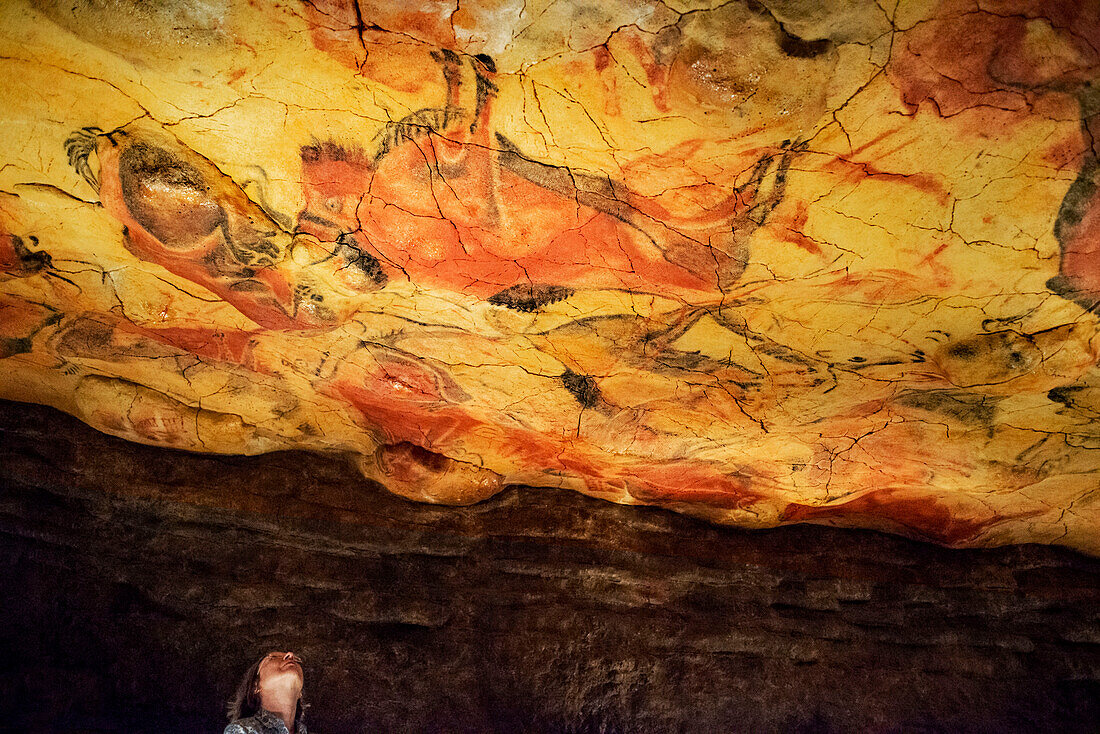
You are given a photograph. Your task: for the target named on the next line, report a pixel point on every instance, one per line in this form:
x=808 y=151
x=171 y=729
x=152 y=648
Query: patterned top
x=264 y=722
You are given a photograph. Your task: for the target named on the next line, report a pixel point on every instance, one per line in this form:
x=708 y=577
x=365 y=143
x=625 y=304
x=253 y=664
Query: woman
x=269 y=698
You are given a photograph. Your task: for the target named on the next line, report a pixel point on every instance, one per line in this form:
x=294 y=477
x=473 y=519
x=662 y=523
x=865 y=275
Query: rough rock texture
x=762 y=262
x=140 y=581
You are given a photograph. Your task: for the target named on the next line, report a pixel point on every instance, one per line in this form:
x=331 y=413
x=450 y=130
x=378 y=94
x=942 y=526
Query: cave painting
x=760 y=263
x=447 y=201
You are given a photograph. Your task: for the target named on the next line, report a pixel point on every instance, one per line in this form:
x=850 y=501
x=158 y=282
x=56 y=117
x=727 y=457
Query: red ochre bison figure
x=447 y=202
x=443 y=201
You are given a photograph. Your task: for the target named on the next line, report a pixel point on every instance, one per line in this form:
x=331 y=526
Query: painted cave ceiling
x=760 y=262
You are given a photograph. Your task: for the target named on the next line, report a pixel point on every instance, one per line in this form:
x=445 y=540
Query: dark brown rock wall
x=142 y=581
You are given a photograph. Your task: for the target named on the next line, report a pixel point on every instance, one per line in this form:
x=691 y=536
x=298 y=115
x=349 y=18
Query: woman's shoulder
x=261 y=723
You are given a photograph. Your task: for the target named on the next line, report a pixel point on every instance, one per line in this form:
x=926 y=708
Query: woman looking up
x=269 y=697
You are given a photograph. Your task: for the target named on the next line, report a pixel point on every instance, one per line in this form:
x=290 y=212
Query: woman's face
x=280 y=671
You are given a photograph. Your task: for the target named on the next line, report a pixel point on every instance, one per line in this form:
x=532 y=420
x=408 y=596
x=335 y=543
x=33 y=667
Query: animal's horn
x=79 y=146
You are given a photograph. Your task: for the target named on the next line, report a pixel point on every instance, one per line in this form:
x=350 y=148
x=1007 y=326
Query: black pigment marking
x=1076 y=203
x=758 y=213
x=964 y=407
x=1062 y=286
x=529 y=297
x=488 y=62
x=800 y=48
x=249 y=286
x=446 y=56
x=311 y=217
x=141 y=162
x=791 y=44
x=31 y=262
x=677 y=361
x=169 y=196
x=365 y=262
x=429 y=120
x=486 y=88
x=325 y=151
x=598 y=192
x=10 y=347
x=583 y=388
x=79 y=147
x=452 y=73
x=255 y=253
x=414 y=126
x=964 y=351
x=304 y=295
x=1064 y=395
x=1010 y=352
x=87 y=337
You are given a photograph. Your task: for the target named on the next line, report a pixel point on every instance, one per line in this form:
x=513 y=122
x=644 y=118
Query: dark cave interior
x=135 y=604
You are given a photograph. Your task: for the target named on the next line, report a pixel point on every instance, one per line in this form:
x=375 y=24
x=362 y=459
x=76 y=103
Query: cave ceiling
x=760 y=262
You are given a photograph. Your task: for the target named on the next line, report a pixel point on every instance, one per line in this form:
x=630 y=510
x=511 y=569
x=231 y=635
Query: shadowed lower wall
x=134 y=603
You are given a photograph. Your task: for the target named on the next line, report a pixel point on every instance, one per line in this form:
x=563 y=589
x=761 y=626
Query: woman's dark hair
x=246 y=702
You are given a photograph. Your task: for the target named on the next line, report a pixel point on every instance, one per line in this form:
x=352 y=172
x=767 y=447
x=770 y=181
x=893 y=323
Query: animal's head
x=335 y=179
x=180 y=211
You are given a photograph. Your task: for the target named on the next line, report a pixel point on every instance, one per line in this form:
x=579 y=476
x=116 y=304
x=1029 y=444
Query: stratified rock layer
x=133 y=606
x=761 y=262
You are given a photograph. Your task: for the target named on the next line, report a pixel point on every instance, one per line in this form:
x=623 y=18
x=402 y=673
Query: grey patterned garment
x=264 y=722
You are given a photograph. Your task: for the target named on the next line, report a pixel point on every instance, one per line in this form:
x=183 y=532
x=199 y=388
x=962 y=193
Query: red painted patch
x=397 y=415
x=407 y=411
x=9 y=260
x=656 y=73
x=445 y=213
x=921 y=517
x=20 y=319
x=690 y=482
x=882 y=285
x=791 y=228
x=267 y=298
x=222 y=345
x=854 y=171
x=1064 y=154
x=1081 y=248
x=364 y=39
x=965 y=57
x=334 y=29
x=601 y=57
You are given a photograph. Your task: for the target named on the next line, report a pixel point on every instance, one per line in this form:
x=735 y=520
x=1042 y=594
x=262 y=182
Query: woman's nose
x=288 y=656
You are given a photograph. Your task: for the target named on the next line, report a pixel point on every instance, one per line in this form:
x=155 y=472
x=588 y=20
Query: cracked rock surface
x=759 y=262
